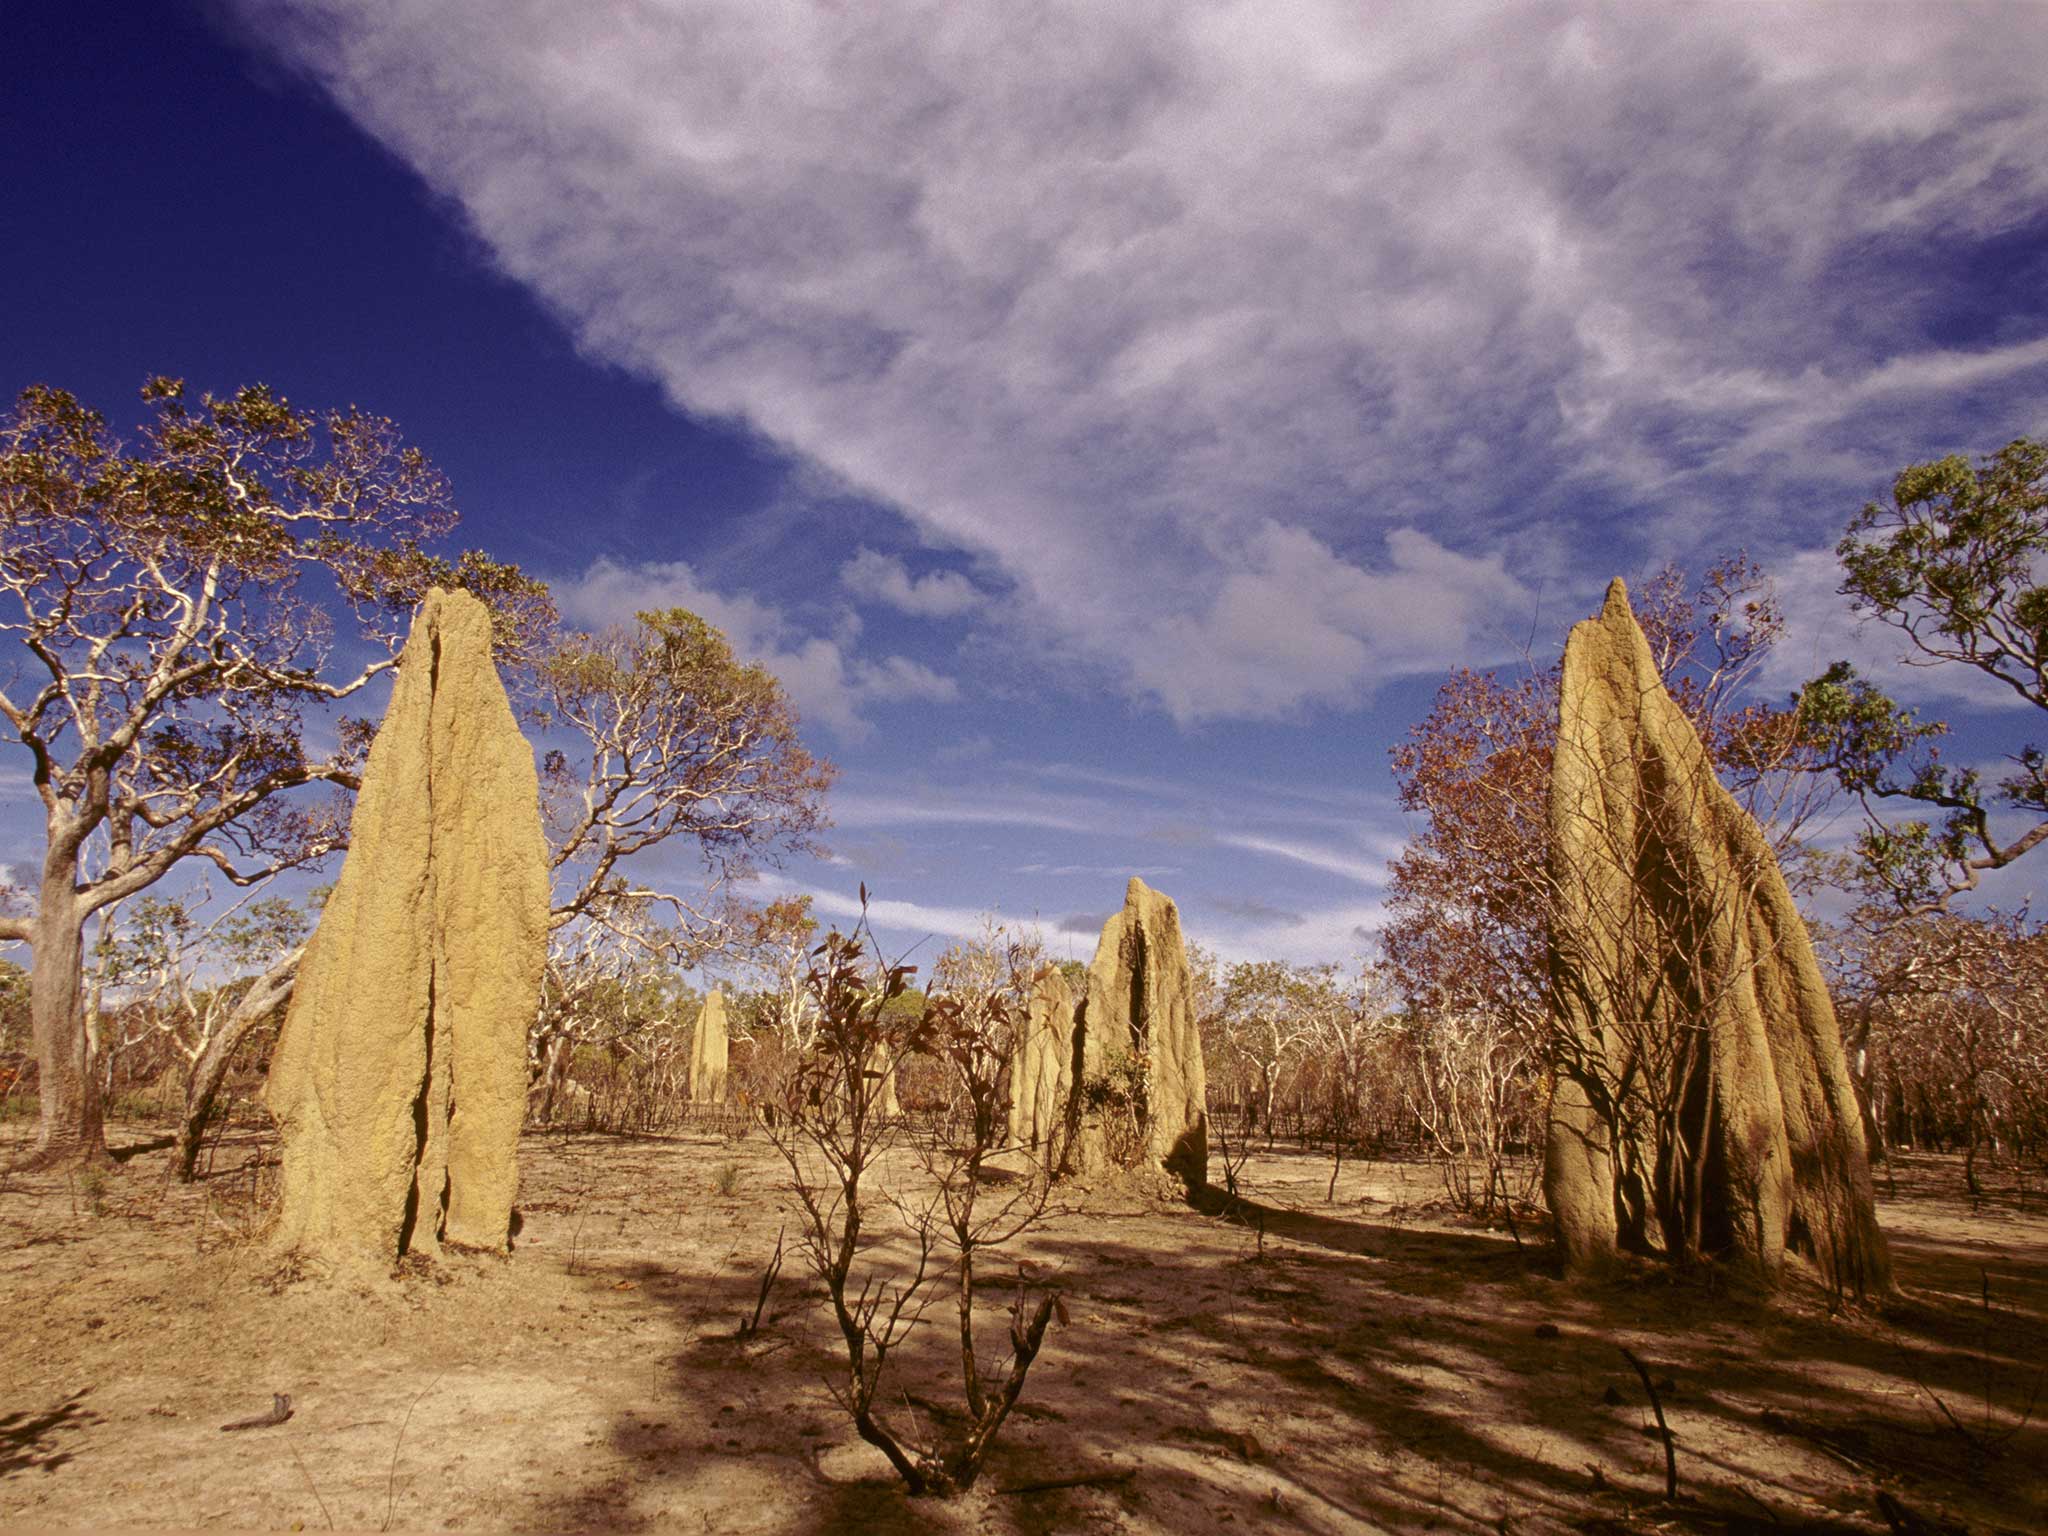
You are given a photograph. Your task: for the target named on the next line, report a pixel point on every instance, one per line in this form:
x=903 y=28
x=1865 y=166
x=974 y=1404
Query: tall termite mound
x=1042 y=1068
x=709 y=1053
x=1138 y=1074
x=399 y=1080
x=1698 y=1077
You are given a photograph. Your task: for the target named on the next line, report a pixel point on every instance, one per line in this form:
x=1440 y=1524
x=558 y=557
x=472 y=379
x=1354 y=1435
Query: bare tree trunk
x=554 y=1055
x=70 y=1130
x=269 y=990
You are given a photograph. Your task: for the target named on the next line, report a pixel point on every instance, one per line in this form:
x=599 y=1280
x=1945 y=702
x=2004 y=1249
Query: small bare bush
x=830 y=1126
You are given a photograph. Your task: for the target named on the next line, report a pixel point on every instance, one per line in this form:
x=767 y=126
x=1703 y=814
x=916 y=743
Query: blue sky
x=1111 y=422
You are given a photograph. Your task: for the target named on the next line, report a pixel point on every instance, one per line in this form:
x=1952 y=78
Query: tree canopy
x=171 y=605
x=1957 y=562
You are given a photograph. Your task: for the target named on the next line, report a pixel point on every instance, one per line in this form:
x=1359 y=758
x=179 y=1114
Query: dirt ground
x=1363 y=1364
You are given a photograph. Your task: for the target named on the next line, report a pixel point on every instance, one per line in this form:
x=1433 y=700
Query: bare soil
x=1365 y=1364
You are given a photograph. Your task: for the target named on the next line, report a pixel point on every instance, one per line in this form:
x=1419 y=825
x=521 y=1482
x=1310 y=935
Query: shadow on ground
x=34 y=1442
x=1264 y=1366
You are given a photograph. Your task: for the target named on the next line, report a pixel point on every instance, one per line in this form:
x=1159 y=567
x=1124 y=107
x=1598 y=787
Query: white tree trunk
x=70 y=1130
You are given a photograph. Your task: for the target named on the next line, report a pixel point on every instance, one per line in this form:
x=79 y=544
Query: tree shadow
x=1388 y=1240
x=136 y=1149
x=28 y=1441
x=1316 y=1371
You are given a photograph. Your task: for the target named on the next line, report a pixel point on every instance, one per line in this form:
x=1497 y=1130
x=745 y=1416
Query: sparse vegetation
x=835 y=1136
x=1397 y=1099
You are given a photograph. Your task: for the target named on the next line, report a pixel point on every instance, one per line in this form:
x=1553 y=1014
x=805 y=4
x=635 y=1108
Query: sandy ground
x=1363 y=1364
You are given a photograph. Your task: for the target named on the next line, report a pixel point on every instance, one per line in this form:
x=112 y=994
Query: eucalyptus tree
x=170 y=641
x=1957 y=562
x=671 y=772
x=670 y=735
x=203 y=985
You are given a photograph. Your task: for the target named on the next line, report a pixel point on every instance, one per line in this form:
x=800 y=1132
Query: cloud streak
x=1265 y=352
x=1363 y=871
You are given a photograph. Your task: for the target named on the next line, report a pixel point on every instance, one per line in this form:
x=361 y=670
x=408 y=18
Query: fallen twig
x=280 y=1410
x=1104 y=1479
x=1657 y=1407
x=391 y=1478
x=1905 y=1521
x=1779 y=1423
x=1959 y=1426
x=310 y=1483
x=1769 y=1513
x=753 y=1325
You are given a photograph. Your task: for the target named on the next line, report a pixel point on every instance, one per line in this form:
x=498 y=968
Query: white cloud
x=1290 y=621
x=1337 y=933
x=1364 y=871
x=1009 y=809
x=884 y=579
x=969 y=749
x=1227 y=333
x=828 y=685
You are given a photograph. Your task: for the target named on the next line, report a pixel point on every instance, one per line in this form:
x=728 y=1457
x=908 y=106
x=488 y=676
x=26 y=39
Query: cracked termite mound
x=399 y=1080
x=1136 y=1033
x=1675 y=940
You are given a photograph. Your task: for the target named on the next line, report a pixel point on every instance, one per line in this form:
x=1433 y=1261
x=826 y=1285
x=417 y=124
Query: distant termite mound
x=1699 y=1091
x=709 y=1053
x=881 y=1065
x=1140 y=1093
x=399 y=1079
x=1042 y=1067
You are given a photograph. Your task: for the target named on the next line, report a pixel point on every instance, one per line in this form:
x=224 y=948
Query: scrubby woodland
x=1168 y=1240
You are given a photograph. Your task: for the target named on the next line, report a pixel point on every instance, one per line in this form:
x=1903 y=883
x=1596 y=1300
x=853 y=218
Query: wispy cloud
x=899 y=920
x=1265 y=352
x=1337 y=933
x=936 y=808
x=1364 y=871
x=969 y=749
x=1234 y=930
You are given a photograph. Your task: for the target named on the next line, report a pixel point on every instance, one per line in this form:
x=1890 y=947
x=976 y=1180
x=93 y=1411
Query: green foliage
x=1120 y=1085
x=92 y=1184
x=1862 y=731
x=1953 y=562
x=1116 y=1099
x=906 y=1007
x=244 y=486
